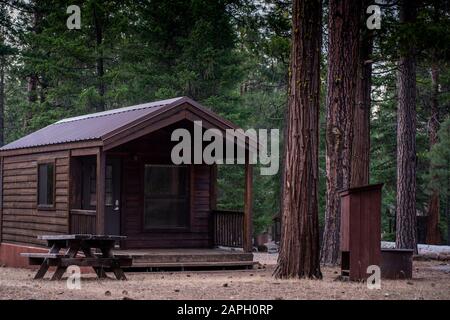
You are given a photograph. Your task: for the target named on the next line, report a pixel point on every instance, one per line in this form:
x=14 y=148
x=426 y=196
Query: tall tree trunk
x=299 y=255
x=32 y=88
x=32 y=82
x=100 y=105
x=343 y=31
x=32 y=79
x=448 y=213
x=433 y=233
x=2 y=100
x=361 y=118
x=406 y=234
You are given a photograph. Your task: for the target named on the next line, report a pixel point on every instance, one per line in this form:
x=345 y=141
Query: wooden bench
x=66 y=260
x=75 y=243
x=35 y=259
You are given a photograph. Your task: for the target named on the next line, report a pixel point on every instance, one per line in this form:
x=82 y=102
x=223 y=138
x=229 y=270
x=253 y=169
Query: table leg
x=101 y=274
x=107 y=252
x=72 y=253
x=42 y=269
x=59 y=273
x=46 y=263
x=118 y=272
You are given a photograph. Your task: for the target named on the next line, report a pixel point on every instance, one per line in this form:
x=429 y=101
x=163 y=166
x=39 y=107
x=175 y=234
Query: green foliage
x=439 y=176
x=232 y=56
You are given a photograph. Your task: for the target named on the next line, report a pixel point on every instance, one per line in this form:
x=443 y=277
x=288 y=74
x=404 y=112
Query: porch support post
x=101 y=171
x=70 y=193
x=212 y=204
x=248 y=206
x=1 y=198
x=213 y=187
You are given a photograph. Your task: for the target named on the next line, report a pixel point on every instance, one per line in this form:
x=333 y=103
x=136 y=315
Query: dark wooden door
x=112 y=197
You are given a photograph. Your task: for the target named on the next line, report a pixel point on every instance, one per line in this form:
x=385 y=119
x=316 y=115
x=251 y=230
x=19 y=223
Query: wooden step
x=43 y=255
x=193 y=264
x=96 y=262
x=185 y=258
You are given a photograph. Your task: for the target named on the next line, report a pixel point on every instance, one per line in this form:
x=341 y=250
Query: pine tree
x=343 y=32
x=439 y=176
x=299 y=255
x=360 y=160
x=6 y=51
x=433 y=233
x=406 y=237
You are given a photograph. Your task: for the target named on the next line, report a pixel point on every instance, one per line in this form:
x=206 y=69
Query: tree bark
x=32 y=79
x=343 y=31
x=433 y=233
x=32 y=88
x=100 y=105
x=299 y=252
x=406 y=237
x=448 y=215
x=2 y=100
x=361 y=128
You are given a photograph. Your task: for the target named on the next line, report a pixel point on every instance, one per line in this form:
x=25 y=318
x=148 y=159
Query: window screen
x=166 y=196
x=46 y=184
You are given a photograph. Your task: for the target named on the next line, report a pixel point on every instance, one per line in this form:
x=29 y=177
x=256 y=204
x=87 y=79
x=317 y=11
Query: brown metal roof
x=92 y=126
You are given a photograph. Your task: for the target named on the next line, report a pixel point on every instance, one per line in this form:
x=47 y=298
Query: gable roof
x=102 y=125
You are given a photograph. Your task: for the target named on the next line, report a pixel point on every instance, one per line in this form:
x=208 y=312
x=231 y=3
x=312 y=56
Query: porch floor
x=187 y=258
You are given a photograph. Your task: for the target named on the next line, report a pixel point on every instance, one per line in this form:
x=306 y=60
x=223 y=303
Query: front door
x=112 y=197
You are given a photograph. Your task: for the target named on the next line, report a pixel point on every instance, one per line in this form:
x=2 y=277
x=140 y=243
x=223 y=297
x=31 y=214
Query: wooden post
x=69 y=194
x=191 y=194
x=213 y=187
x=212 y=203
x=248 y=206
x=1 y=198
x=101 y=171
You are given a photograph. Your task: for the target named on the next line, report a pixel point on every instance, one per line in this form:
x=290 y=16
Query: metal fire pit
x=396 y=263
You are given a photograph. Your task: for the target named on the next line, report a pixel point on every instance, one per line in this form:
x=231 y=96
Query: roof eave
x=70 y=145
x=116 y=137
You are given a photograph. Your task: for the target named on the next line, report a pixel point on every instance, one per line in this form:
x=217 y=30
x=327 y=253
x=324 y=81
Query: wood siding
x=134 y=156
x=21 y=220
x=360 y=230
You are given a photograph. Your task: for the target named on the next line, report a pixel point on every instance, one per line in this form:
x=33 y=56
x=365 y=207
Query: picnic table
x=74 y=243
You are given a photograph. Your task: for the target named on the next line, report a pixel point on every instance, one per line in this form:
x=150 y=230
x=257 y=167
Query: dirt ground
x=431 y=281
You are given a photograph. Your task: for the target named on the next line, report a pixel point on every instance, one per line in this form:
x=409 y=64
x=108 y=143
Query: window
x=109 y=186
x=166 y=196
x=88 y=183
x=93 y=185
x=46 y=184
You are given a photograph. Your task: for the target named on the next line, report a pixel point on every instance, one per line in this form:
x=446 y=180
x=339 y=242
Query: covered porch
x=168 y=212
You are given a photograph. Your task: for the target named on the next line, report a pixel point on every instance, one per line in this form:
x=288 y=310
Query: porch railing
x=228 y=228
x=82 y=221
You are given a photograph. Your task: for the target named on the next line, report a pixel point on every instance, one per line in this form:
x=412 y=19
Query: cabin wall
x=21 y=220
x=156 y=149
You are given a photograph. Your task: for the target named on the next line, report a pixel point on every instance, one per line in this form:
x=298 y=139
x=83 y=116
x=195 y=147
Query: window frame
x=46 y=206
x=87 y=165
x=167 y=229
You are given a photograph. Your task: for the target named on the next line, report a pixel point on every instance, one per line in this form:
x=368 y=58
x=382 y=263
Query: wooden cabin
x=111 y=173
